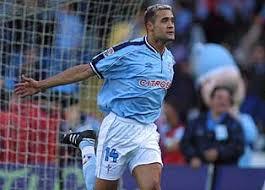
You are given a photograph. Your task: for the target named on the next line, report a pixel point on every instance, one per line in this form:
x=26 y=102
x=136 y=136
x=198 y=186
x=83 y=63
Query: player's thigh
x=102 y=184
x=148 y=176
x=146 y=162
x=113 y=147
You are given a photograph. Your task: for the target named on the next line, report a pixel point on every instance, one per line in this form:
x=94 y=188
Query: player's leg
x=85 y=140
x=102 y=184
x=89 y=163
x=112 y=149
x=146 y=162
x=148 y=176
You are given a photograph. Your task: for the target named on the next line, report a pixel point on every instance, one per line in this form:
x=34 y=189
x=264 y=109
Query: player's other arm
x=29 y=86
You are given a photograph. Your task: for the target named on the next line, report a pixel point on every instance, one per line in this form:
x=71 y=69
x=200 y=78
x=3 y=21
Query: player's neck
x=158 y=45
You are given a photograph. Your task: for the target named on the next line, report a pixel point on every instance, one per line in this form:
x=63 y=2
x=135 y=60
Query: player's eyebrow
x=168 y=18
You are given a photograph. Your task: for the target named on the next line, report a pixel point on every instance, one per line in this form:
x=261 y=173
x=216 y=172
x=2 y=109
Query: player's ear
x=149 y=26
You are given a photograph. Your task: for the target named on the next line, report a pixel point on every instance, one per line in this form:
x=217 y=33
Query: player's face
x=163 y=26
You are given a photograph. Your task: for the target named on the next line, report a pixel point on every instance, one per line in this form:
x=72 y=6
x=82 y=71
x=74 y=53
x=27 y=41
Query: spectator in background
x=69 y=32
x=244 y=51
x=171 y=134
x=29 y=130
x=228 y=9
x=210 y=63
x=183 y=18
x=256 y=66
x=254 y=105
x=250 y=54
x=250 y=135
x=183 y=22
x=124 y=30
x=220 y=17
x=214 y=137
x=26 y=58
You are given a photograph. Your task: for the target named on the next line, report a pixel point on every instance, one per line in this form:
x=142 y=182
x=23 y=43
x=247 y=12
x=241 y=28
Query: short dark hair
x=151 y=11
x=226 y=88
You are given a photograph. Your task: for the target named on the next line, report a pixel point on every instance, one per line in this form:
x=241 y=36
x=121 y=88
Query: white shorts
x=125 y=142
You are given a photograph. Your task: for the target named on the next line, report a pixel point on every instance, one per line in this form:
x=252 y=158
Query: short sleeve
x=101 y=63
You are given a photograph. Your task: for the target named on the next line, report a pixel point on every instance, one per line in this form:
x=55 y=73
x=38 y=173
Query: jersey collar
x=149 y=45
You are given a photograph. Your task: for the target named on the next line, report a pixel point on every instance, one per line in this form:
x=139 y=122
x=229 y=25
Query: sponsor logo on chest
x=155 y=83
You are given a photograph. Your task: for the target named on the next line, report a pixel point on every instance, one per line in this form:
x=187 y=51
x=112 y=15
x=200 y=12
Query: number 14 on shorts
x=111 y=154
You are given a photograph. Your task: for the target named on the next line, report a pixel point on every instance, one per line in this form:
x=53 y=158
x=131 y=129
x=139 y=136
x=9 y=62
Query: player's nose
x=171 y=25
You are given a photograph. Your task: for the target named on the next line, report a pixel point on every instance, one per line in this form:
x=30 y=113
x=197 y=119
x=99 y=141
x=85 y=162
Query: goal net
x=39 y=39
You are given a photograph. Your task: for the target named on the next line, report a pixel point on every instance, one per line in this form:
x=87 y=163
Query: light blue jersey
x=136 y=79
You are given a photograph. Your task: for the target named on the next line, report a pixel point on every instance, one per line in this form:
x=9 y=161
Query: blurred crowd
x=199 y=124
x=216 y=119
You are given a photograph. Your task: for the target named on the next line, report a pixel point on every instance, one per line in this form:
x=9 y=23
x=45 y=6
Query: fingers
x=19 y=91
x=20 y=88
x=24 y=84
x=22 y=92
x=25 y=79
x=21 y=85
x=26 y=87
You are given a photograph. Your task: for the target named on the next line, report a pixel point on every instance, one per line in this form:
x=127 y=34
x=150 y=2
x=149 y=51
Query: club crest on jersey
x=108 y=52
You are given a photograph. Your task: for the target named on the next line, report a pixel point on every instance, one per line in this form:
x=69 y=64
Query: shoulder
x=120 y=49
x=170 y=55
x=168 y=52
x=129 y=45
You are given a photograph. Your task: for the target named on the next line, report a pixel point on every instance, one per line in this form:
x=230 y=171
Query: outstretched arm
x=30 y=86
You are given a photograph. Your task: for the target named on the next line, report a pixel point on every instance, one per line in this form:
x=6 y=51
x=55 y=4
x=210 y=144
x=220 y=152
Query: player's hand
x=27 y=87
x=195 y=162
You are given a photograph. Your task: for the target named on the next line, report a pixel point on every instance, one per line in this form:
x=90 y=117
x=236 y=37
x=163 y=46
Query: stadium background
x=42 y=38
